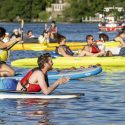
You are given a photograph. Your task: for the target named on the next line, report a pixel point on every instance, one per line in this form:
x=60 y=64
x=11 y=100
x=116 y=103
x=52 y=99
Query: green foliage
x=44 y=16
x=35 y=9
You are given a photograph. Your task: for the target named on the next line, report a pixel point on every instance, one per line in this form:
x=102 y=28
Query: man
x=37 y=80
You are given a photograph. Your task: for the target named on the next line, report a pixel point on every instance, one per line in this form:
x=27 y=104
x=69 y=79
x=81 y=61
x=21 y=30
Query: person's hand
x=63 y=80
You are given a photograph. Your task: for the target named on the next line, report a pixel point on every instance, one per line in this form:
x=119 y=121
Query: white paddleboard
x=19 y=95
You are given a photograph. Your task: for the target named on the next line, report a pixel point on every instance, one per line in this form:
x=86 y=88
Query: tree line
x=30 y=10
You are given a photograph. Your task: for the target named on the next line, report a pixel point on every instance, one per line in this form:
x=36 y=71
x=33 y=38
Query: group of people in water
x=36 y=79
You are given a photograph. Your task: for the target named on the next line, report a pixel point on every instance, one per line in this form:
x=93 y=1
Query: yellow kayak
x=3 y=55
x=52 y=46
x=116 y=63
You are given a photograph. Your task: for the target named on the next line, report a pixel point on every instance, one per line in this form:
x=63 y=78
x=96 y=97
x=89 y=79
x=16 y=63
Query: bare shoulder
x=38 y=73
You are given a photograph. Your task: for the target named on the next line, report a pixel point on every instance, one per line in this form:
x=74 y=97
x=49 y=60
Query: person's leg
x=6 y=70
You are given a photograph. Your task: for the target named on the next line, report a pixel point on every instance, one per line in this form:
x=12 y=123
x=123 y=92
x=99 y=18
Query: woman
x=5 y=70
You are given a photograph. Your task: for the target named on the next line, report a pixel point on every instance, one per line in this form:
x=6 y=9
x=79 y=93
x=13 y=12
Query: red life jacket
x=25 y=81
x=95 y=49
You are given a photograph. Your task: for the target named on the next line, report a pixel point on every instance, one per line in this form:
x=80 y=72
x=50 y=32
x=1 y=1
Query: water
x=103 y=103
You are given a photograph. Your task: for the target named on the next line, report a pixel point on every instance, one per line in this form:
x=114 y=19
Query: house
x=57 y=8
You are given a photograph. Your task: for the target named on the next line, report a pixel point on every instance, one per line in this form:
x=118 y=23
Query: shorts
x=8 y=84
x=122 y=51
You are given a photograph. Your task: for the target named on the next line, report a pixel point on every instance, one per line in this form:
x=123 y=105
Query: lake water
x=103 y=103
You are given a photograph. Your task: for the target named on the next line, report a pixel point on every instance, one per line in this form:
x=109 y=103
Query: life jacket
x=32 y=87
x=95 y=49
x=66 y=49
x=53 y=30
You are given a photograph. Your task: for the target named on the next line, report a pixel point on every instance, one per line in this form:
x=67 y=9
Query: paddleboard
x=54 y=75
x=24 y=95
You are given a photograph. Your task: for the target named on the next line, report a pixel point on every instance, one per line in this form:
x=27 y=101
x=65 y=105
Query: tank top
x=66 y=49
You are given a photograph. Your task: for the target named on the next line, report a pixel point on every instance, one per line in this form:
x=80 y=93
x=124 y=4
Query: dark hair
x=44 y=31
x=53 y=22
x=2 y=31
x=29 y=31
x=104 y=36
x=59 y=38
x=42 y=59
x=88 y=36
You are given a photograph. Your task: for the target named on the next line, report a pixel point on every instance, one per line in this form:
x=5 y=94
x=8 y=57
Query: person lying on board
x=65 y=51
x=6 y=70
x=36 y=80
x=92 y=47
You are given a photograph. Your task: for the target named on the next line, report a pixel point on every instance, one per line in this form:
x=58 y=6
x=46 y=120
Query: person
x=102 y=39
x=44 y=37
x=101 y=44
x=92 y=47
x=30 y=34
x=52 y=30
x=120 y=50
x=5 y=70
x=37 y=79
x=15 y=34
x=65 y=51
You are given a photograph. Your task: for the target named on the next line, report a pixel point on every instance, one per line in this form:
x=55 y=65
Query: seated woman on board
x=5 y=70
x=65 y=51
x=36 y=80
x=92 y=47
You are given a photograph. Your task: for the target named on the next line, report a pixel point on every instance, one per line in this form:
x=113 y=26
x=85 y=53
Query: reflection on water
x=103 y=103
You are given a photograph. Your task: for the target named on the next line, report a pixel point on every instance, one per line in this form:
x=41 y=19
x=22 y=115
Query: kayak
x=48 y=47
x=54 y=75
x=3 y=55
x=38 y=95
x=107 y=63
x=51 y=46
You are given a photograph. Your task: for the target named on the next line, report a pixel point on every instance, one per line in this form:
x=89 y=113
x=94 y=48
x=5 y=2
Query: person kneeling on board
x=35 y=80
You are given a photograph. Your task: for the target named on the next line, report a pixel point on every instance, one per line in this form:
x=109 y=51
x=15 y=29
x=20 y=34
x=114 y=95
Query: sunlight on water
x=103 y=103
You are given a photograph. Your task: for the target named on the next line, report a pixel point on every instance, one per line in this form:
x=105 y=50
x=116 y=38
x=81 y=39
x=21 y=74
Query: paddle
x=47 y=25
x=22 y=24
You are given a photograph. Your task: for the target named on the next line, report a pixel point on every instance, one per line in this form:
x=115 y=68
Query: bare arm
x=7 y=44
x=47 y=90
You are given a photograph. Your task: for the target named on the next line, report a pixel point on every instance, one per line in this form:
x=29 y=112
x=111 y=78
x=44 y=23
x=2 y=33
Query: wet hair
x=2 y=31
x=104 y=36
x=42 y=59
x=88 y=36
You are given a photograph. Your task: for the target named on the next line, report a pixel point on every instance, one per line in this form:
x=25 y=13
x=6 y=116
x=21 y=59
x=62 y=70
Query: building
x=57 y=8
